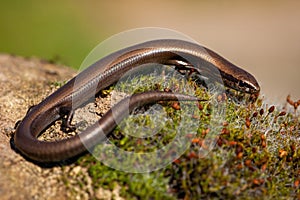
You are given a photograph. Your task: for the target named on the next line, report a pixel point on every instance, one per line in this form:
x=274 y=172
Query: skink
x=106 y=72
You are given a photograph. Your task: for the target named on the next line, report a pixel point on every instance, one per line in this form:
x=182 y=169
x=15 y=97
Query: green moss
x=256 y=155
x=133 y=186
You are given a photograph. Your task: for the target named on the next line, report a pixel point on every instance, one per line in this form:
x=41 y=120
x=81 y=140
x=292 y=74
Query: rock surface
x=23 y=83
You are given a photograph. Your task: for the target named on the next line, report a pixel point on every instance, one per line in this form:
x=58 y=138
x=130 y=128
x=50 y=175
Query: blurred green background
x=263 y=37
x=52 y=30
